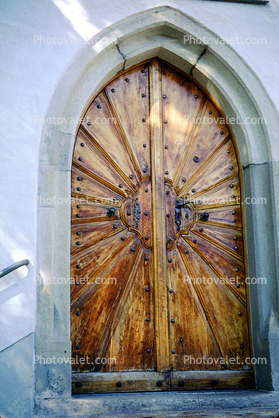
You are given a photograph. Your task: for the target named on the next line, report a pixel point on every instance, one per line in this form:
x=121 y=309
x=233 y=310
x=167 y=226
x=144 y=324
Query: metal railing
x=13 y=267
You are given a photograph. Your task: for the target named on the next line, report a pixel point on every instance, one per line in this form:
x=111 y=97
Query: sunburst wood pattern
x=131 y=145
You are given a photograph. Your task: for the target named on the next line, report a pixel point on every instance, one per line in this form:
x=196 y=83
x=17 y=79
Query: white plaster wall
x=32 y=66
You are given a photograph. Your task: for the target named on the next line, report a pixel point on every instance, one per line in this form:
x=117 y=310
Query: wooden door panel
x=129 y=99
x=157 y=240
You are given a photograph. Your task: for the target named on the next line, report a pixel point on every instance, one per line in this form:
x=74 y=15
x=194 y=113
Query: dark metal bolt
x=80 y=158
x=133 y=249
x=233 y=212
x=196 y=159
x=122 y=238
x=166 y=173
x=147 y=238
x=165 y=121
x=82 y=144
x=171 y=291
x=167 y=215
x=238 y=285
x=127 y=80
x=147 y=289
x=187 y=215
x=235 y=238
x=231 y=186
x=77 y=283
x=99 y=106
x=115 y=226
x=88 y=123
x=78 y=215
x=128 y=213
x=143 y=119
x=196 y=96
x=194 y=241
x=78 y=232
x=111 y=212
x=147 y=319
x=77 y=313
x=193 y=190
x=200 y=229
x=172 y=321
x=221 y=133
x=170 y=260
x=234 y=221
x=120 y=186
x=236 y=269
x=183 y=180
x=112 y=90
x=241 y=345
x=228 y=152
x=78 y=384
x=148 y=350
x=181 y=340
x=167 y=192
x=77 y=347
x=144 y=145
x=79 y=178
x=143 y=71
x=214 y=382
x=166 y=147
x=186 y=251
x=232 y=196
x=131 y=177
x=159 y=383
x=240 y=313
x=146 y=190
x=144 y=171
x=78 y=243
x=119 y=384
x=173 y=351
x=164 y=96
x=231 y=167
x=210 y=112
x=146 y=257
x=78 y=266
x=169 y=240
x=204 y=216
x=180 y=383
x=236 y=248
x=143 y=95
x=78 y=189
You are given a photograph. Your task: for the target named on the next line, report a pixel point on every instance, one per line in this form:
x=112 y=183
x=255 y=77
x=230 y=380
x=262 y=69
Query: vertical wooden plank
x=159 y=226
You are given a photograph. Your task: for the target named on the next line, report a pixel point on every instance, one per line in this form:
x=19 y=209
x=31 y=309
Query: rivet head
x=196 y=159
x=170 y=260
x=167 y=215
x=221 y=132
x=128 y=213
x=181 y=340
x=78 y=243
x=80 y=158
x=146 y=257
x=122 y=238
x=144 y=145
x=234 y=221
x=77 y=347
x=147 y=289
x=173 y=351
x=78 y=215
x=231 y=167
x=79 y=178
x=78 y=189
x=235 y=238
x=231 y=186
x=82 y=144
x=146 y=190
x=180 y=383
x=112 y=90
x=196 y=96
x=238 y=285
x=120 y=186
x=214 y=382
x=241 y=345
x=233 y=196
x=133 y=249
x=169 y=240
x=164 y=96
x=88 y=123
x=147 y=319
x=236 y=269
x=228 y=152
x=144 y=171
x=77 y=313
x=143 y=95
x=240 y=313
x=159 y=383
x=78 y=232
x=145 y=213
x=186 y=251
x=210 y=112
x=131 y=177
x=119 y=384
x=166 y=147
x=143 y=119
x=233 y=212
x=236 y=248
x=99 y=106
x=146 y=238
x=148 y=350
x=183 y=180
x=166 y=173
x=115 y=226
x=172 y=321
x=165 y=121
x=171 y=291
x=78 y=384
x=193 y=190
x=77 y=283
x=143 y=71
x=194 y=241
x=200 y=229
x=127 y=80
x=111 y=212
x=167 y=192
x=78 y=266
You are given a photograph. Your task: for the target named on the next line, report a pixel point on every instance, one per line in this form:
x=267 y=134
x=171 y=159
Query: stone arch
x=158 y=32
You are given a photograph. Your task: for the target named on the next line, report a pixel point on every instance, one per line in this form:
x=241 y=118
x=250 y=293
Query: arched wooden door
x=158 y=299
